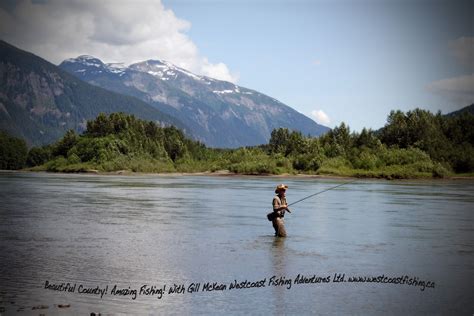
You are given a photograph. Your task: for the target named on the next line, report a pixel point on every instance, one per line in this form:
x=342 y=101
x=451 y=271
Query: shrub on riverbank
x=399 y=150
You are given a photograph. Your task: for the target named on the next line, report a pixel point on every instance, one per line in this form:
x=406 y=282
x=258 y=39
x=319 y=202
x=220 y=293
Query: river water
x=120 y=234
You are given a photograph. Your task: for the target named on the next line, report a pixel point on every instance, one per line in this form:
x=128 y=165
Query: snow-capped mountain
x=39 y=102
x=218 y=113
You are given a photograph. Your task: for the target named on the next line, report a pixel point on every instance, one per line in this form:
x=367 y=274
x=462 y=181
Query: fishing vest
x=280 y=201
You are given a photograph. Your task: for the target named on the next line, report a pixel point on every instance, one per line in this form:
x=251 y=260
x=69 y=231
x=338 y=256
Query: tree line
x=417 y=143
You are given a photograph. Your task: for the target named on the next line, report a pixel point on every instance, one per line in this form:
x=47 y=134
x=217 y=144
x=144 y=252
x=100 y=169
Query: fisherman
x=279 y=207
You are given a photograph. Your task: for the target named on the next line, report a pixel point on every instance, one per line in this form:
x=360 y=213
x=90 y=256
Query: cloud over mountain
x=217 y=113
x=111 y=30
x=321 y=117
x=460 y=89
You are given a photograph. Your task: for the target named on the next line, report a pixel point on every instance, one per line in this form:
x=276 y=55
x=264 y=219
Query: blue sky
x=354 y=60
x=333 y=61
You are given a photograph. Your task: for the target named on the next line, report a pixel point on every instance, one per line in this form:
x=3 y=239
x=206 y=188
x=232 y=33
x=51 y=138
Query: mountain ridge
x=218 y=113
x=461 y=111
x=40 y=102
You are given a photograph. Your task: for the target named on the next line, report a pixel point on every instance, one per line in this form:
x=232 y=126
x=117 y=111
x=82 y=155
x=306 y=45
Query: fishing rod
x=309 y=196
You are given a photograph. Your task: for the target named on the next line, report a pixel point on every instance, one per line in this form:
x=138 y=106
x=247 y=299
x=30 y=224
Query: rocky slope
x=39 y=101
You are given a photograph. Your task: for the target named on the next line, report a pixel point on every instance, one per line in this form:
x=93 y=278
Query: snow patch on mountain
x=223 y=91
x=87 y=60
x=117 y=68
x=218 y=112
x=226 y=91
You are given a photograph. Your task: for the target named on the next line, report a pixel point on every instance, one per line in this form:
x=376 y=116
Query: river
x=112 y=244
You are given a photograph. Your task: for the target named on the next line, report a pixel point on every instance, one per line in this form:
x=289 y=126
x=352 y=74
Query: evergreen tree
x=13 y=152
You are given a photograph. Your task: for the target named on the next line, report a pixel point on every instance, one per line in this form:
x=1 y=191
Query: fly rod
x=309 y=196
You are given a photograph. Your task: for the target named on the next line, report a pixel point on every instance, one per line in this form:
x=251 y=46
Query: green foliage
x=367 y=139
x=56 y=164
x=120 y=142
x=279 y=141
x=395 y=156
x=308 y=162
x=255 y=161
x=415 y=144
x=38 y=156
x=367 y=160
x=13 y=152
x=284 y=142
x=446 y=139
x=137 y=164
x=338 y=141
x=101 y=126
x=255 y=167
x=174 y=143
x=439 y=171
x=73 y=159
x=336 y=166
x=65 y=144
x=336 y=162
x=462 y=158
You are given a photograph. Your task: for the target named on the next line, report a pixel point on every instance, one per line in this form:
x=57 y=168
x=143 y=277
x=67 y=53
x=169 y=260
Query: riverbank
x=121 y=144
x=218 y=173
x=227 y=173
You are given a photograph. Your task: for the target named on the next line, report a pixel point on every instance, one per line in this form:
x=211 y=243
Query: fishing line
x=321 y=192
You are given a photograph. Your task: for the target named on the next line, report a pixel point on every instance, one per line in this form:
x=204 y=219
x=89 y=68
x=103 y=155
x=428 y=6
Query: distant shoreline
x=226 y=173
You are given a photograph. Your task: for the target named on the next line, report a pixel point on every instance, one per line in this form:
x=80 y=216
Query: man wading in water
x=279 y=207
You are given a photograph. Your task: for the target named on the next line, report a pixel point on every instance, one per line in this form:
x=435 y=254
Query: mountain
x=218 y=113
x=466 y=109
x=39 y=101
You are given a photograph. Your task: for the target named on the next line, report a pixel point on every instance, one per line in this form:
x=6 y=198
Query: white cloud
x=114 y=31
x=321 y=117
x=219 y=71
x=463 y=50
x=459 y=90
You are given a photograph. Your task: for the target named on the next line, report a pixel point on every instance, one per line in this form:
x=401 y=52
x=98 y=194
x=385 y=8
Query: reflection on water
x=279 y=256
x=101 y=231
